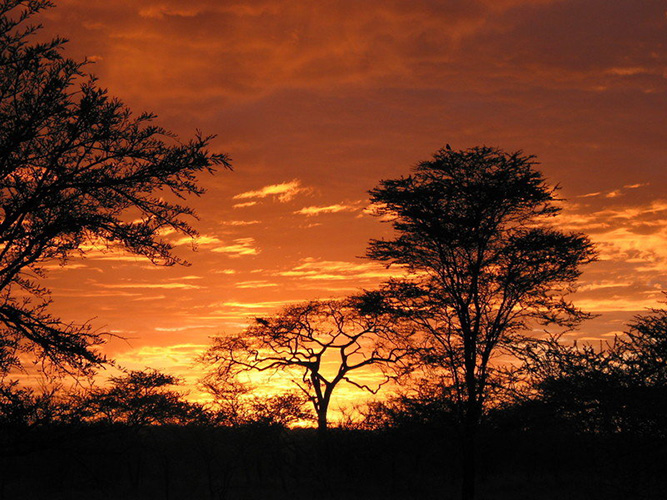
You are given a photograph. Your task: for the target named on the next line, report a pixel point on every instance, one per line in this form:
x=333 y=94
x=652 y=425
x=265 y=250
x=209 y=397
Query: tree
x=473 y=228
x=576 y=387
x=319 y=344
x=619 y=387
x=138 y=399
x=236 y=404
x=77 y=169
x=645 y=347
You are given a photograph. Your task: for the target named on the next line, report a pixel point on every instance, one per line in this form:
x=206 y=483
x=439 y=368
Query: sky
x=315 y=102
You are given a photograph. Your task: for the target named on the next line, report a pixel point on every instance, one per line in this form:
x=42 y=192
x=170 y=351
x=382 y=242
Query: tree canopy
x=616 y=387
x=473 y=226
x=78 y=170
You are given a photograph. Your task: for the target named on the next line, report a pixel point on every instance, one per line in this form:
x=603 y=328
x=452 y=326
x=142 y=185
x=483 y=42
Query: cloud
x=201 y=240
x=617 y=303
x=285 y=191
x=181 y=286
x=604 y=284
x=327 y=270
x=272 y=45
x=176 y=359
x=144 y=298
x=615 y=193
x=160 y=11
x=183 y=328
x=635 y=235
x=240 y=247
x=240 y=222
x=330 y=209
x=57 y=266
x=244 y=205
x=224 y=271
x=632 y=244
x=255 y=284
x=101 y=250
x=254 y=305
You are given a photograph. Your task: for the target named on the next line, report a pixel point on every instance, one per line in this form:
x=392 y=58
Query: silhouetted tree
x=236 y=403
x=426 y=403
x=140 y=398
x=28 y=407
x=618 y=387
x=319 y=344
x=473 y=227
x=77 y=170
x=573 y=387
x=645 y=347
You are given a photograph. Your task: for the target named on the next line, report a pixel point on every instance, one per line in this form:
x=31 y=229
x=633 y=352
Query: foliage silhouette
x=77 y=172
x=319 y=344
x=138 y=399
x=618 y=388
x=236 y=404
x=473 y=227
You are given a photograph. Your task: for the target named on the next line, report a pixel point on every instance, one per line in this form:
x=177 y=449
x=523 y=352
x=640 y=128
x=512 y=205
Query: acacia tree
x=77 y=169
x=138 y=399
x=616 y=387
x=473 y=227
x=319 y=344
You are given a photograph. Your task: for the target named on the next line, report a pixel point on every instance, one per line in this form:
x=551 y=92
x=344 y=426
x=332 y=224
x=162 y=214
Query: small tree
x=319 y=344
x=140 y=398
x=235 y=404
x=645 y=347
x=618 y=387
x=473 y=227
x=77 y=169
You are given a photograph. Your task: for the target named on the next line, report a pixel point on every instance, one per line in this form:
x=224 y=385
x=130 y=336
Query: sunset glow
x=315 y=102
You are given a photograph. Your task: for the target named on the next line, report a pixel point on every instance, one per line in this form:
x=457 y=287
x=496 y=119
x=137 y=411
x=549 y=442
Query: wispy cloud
x=182 y=328
x=240 y=222
x=254 y=305
x=600 y=285
x=240 y=246
x=101 y=250
x=614 y=193
x=201 y=240
x=176 y=359
x=617 y=303
x=224 y=271
x=255 y=284
x=160 y=11
x=328 y=270
x=284 y=192
x=245 y=204
x=329 y=209
x=182 y=286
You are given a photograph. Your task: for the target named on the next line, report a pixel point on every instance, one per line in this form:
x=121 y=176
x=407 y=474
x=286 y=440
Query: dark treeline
x=479 y=406
x=585 y=423
x=593 y=432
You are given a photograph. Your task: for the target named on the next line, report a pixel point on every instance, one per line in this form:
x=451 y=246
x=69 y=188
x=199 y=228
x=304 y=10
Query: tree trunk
x=469 y=464
x=322 y=424
x=323 y=437
x=469 y=458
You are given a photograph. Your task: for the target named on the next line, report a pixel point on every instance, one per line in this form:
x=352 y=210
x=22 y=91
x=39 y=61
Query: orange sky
x=317 y=101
